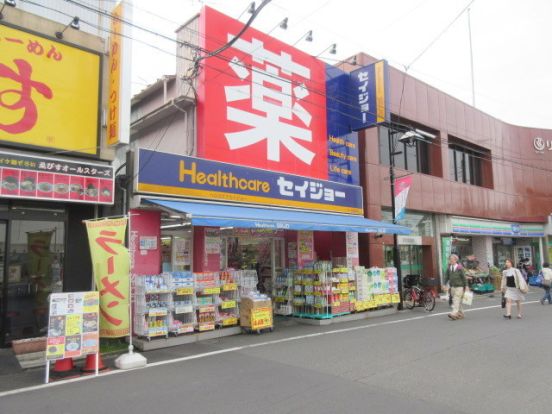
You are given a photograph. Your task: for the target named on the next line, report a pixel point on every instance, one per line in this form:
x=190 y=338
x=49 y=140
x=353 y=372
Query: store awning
x=222 y=215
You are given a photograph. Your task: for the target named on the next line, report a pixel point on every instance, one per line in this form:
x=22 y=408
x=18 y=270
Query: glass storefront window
x=35 y=269
x=421 y=224
x=411 y=259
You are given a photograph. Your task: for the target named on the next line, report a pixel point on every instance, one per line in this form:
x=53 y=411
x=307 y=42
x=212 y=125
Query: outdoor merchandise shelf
x=153 y=301
x=283 y=293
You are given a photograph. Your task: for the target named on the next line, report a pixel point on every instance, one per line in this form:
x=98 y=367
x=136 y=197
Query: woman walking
x=513 y=286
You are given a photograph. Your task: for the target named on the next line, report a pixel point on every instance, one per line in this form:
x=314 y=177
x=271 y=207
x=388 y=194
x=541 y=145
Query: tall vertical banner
x=446 y=251
x=402 y=187
x=111 y=264
x=118 y=117
x=370 y=92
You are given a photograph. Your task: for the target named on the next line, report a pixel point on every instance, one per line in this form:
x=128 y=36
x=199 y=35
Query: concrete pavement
x=412 y=361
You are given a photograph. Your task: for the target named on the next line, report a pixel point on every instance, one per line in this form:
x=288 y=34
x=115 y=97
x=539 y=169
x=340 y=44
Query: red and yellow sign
x=115 y=45
x=110 y=259
x=261 y=318
x=49 y=93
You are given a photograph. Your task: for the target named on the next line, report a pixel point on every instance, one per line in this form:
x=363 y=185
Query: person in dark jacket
x=455 y=277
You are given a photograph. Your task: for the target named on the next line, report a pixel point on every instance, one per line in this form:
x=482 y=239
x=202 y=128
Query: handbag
x=522 y=284
x=467 y=299
x=503 y=302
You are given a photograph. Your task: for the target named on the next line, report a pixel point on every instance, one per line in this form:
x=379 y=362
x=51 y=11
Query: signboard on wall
x=49 y=93
x=343 y=153
x=305 y=248
x=267 y=107
x=170 y=174
x=371 y=98
x=462 y=225
x=73 y=325
x=118 y=114
x=55 y=179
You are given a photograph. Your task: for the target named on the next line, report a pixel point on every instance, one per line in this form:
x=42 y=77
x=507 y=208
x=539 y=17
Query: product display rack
x=182 y=318
x=228 y=310
x=207 y=290
x=283 y=293
x=319 y=293
x=153 y=302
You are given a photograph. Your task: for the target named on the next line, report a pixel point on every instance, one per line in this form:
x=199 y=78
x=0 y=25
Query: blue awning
x=222 y=215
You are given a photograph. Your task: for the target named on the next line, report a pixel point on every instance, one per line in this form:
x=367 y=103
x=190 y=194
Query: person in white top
x=546 y=282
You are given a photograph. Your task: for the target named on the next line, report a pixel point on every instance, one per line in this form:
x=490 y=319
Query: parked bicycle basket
x=411 y=280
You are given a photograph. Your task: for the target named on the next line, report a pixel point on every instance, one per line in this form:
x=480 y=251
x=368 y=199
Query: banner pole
x=47 y=374
x=130 y=322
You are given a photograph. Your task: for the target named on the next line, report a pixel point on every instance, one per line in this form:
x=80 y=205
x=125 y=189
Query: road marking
x=244 y=347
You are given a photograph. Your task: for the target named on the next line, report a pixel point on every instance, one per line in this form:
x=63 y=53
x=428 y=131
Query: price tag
x=186 y=329
x=211 y=291
x=185 y=291
x=228 y=304
x=183 y=309
x=229 y=286
x=206 y=327
x=261 y=318
x=157 y=312
x=205 y=309
x=336 y=304
x=230 y=321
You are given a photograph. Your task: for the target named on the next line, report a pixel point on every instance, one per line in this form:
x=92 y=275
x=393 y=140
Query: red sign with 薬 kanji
x=261 y=102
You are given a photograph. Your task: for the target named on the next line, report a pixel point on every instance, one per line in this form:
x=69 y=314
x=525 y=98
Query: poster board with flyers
x=73 y=325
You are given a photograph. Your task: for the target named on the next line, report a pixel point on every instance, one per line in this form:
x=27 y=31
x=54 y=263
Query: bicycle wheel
x=408 y=298
x=429 y=301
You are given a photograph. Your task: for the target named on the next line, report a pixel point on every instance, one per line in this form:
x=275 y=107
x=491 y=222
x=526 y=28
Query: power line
x=444 y=141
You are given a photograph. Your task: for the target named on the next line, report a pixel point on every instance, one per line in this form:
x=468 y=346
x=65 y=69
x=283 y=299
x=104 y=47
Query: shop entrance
x=265 y=255
x=32 y=248
x=411 y=259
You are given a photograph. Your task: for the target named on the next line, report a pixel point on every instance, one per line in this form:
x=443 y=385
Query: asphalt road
x=412 y=362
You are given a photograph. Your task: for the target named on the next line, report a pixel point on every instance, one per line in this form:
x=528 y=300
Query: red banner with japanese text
x=111 y=264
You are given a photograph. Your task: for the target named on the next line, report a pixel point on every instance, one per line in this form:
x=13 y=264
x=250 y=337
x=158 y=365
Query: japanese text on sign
x=48 y=93
x=274 y=112
x=111 y=273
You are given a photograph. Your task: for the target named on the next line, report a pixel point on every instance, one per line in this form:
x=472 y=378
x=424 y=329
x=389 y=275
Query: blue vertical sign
x=370 y=95
x=343 y=165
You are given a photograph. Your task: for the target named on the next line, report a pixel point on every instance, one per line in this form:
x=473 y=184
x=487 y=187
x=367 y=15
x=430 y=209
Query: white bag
x=467 y=299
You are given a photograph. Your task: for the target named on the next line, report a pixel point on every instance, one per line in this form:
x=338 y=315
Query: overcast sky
x=511 y=43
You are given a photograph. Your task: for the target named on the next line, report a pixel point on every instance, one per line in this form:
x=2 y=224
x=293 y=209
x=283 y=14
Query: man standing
x=455 y=277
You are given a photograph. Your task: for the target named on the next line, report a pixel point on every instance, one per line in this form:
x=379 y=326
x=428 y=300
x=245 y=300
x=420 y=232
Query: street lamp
x=409 y=137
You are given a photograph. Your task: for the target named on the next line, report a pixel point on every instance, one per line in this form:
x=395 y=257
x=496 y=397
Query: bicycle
x=413 y=295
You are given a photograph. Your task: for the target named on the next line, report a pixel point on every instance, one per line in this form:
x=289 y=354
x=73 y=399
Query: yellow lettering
x=201 y=178
x=243 y=184
x=184 y=172
x=265 y=187
x=212 y=179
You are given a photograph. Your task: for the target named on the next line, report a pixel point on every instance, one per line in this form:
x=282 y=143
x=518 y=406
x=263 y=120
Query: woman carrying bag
x=513 y=287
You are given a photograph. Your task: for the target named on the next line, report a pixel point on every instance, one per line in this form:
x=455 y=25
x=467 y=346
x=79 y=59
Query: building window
x=467 y=163
x=413 y=158
x=421 y=224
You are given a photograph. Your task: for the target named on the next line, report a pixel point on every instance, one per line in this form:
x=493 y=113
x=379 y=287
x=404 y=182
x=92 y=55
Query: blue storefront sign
x=177 y=175
x=343 y=163
x=370 y=95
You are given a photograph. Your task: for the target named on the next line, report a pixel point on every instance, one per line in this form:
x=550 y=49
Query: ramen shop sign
x=30 y=177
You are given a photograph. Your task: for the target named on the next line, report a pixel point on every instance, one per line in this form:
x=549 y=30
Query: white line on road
x=243 y=347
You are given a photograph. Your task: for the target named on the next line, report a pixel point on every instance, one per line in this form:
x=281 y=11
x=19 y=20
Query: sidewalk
x=12 y=377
